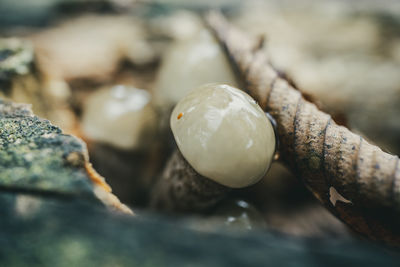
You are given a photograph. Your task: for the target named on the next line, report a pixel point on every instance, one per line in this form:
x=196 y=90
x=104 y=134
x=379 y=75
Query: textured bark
x=38 y=159
x=182 y=189
x=321 y=153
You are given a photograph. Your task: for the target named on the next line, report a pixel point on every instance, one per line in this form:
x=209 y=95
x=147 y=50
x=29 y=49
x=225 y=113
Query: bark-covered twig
x=321 y=153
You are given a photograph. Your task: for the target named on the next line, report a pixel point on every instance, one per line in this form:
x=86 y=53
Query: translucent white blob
x=224 y=135
x=121 y=116
x=239 y=215
x=188 y=64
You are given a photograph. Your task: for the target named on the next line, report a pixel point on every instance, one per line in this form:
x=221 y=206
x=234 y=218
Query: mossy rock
x=37 y=158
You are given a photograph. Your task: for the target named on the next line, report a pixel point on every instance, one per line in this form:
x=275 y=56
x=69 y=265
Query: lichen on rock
x=36 y=157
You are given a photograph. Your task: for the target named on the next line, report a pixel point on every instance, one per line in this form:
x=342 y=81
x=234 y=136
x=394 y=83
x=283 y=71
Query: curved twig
x=321 y=153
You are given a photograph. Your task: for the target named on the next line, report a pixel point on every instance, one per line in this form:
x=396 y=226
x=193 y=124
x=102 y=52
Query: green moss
x=33 y=154
x=16 y=57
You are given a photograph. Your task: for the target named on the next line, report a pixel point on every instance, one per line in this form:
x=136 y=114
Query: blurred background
x=110 y=71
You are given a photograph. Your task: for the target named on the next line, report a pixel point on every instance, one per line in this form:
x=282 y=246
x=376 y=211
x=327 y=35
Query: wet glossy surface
x=239 y=214
x=121 y=116
x=224 y=135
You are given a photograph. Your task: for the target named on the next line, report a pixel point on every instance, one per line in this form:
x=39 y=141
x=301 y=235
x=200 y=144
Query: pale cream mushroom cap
x=188 y=64
x=224 y=135
x=121 y=116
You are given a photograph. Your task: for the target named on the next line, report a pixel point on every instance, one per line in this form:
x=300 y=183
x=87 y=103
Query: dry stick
x=321 y=153
x=181 y=189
